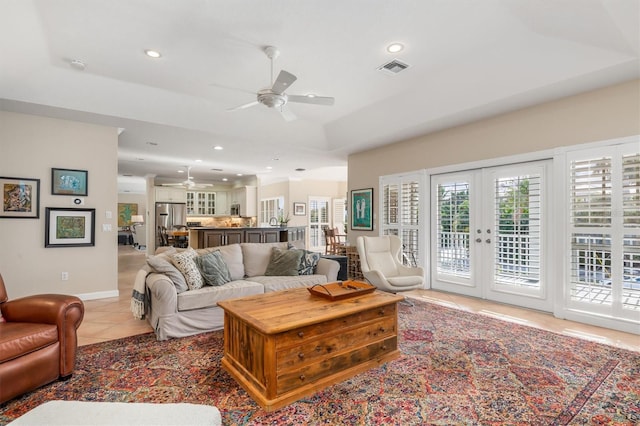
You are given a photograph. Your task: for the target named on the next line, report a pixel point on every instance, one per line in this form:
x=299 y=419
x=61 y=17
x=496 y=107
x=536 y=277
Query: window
x=604 y=230
x=400 y=211
x=270 y=208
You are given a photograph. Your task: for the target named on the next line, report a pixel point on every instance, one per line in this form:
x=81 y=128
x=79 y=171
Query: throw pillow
x=213 y=268
x=283 y=262
x=161 y=265
x=308 y=262
x=186 y=264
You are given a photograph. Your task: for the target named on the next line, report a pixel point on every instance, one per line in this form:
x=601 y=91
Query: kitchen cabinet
x=219 y=237
x=171 y=195
x=202 y=203
x=259 y=235
x=246 y=198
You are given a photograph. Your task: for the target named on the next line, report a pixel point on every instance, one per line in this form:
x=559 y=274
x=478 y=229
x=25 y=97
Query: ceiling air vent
x=393 y=67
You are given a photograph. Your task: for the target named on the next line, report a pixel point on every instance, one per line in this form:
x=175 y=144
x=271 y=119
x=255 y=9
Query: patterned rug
x=456 y=368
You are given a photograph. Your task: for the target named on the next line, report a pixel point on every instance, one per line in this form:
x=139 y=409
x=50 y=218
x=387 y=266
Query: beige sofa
x=177 y=314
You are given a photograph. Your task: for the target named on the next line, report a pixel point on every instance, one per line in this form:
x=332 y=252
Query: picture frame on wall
x=69 y=182
x=299 y=209
x=362 y=209
x=69 y=227
x=20 y=198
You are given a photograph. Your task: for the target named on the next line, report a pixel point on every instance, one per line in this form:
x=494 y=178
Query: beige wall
x=299 y=192
x=30 y=147
x=599 y=115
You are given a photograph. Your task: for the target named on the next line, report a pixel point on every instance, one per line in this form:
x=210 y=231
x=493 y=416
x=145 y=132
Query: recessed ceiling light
x=152 y=143
x=269 y=167
x=395 y=47
x=152 y=53
x=311 y=95
x=198 y=160
x=218 y=148
x=216 y=170
x=78 y=64
x=180 y=171
x=238 y=174
x=224 y=179
x=300 y=169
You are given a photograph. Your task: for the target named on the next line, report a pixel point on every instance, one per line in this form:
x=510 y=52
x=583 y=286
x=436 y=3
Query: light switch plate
x=108 y=214
x=106 y=227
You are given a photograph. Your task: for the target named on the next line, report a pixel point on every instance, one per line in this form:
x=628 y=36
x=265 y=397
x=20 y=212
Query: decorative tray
x=341 y=289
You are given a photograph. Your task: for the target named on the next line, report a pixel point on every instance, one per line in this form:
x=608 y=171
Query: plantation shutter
x=400 y=208
x=604 y=230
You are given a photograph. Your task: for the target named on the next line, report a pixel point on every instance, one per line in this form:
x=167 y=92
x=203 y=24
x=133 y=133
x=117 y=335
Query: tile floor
x=108 y=319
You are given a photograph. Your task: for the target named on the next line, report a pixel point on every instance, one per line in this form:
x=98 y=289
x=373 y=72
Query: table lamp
x=137 y=218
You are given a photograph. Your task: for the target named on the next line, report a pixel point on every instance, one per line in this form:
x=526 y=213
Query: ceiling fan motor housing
x=270 y=99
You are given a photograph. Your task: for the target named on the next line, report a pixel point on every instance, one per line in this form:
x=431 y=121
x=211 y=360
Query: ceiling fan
x=275 y=96
x=189 y=183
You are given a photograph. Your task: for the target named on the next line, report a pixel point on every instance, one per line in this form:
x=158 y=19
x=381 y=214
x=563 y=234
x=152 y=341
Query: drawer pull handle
x=302 y=377
x=301 y=355
x=384 y=347
x=381 y=312
x=382 y=329
x=300 y=334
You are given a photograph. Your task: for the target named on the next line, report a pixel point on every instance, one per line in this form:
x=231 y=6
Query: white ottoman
x=119 y=413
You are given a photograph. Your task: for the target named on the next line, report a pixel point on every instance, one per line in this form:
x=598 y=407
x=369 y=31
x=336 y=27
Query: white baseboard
x=98 y=295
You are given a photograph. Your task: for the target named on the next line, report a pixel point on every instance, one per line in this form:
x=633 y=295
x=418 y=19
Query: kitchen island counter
x=207 y=236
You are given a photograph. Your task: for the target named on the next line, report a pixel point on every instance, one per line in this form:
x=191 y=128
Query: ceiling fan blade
x=244 y=106
x=316 y=100
x=282 y=83
x=287 y=114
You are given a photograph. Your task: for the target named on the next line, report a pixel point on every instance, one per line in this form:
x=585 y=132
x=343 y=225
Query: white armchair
x=381 y=265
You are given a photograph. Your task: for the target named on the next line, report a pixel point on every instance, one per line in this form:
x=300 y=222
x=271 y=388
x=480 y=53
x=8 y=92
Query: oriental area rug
x=456 y=368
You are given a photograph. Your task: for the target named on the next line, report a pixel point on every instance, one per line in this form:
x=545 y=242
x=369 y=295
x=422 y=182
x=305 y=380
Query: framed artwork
x=69 y=227
x=299 y=209
x=69 y=182
x=125 y=211
x=20 y=198
x=361 y=209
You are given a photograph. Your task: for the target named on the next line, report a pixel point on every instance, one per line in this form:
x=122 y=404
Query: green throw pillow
x=283 y=262
x=308 y=262
x=213 y=268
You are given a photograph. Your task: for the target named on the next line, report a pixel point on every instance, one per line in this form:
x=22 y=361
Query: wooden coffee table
x=284 y=345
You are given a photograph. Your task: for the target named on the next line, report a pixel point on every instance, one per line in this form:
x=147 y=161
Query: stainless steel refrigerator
x=169 y=215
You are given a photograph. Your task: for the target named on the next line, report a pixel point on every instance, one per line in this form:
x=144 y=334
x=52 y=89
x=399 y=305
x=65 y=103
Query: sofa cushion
x=209 y=296
x=232 y=255
x=161 y=264
x=283 y=283
x=186 y=264
x=256 y=257
x=308 y=262
x=283 y=262
x=213 y=269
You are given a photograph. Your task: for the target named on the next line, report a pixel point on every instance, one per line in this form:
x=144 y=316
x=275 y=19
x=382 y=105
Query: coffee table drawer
x=313 y=350
x=299 y=335
x=293 y=379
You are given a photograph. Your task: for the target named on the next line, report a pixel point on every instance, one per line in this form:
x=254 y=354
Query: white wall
x=29 y=147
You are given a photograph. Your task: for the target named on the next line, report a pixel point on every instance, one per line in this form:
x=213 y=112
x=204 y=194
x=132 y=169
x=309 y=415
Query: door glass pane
x=518 y=239
x=390 y=204
x=591 y=192
x=453 y=229
x=631 y=190
x=591 y=268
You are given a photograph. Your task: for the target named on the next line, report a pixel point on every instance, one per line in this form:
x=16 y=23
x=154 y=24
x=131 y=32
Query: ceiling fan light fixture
x=395 y=47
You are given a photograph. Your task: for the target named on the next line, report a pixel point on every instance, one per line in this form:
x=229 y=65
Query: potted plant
x=283 y=220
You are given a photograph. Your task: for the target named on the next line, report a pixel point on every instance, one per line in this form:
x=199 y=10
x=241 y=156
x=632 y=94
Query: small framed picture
x=68 y=227
x=361 y=209
x=69 y=182
x=299 y=209
x=20 y=198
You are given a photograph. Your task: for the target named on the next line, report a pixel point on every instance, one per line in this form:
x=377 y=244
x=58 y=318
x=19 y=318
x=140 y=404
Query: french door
x=318 y=219
x=489 y=234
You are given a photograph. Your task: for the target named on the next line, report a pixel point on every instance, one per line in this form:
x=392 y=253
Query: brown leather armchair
x=38 y=340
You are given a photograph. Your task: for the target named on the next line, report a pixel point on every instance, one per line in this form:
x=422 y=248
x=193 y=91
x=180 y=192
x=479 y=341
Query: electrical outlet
x=64 y=276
